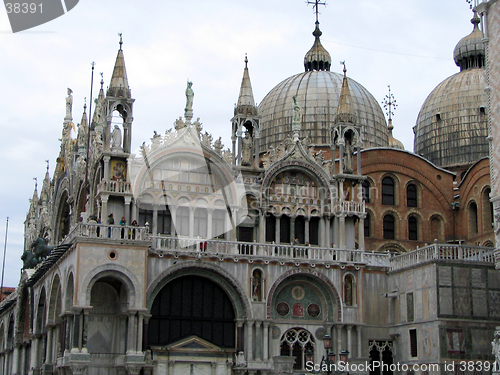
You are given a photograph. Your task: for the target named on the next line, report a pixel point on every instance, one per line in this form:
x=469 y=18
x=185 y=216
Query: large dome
x=452 y=125
x=318 y=94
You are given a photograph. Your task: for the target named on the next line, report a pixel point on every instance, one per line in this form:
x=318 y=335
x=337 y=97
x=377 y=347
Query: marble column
x=265 y=342
x=107 y=174
x=155 y=221
x=349 y=338
x=339 y=339
x=127 y=210
x=278 y=225
x=104 y=213
x=48 y=355
x=210 y=234
x=249 y=340
x=131 y=332
x=358 y=337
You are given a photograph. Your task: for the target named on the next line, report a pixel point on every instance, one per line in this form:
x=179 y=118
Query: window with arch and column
x=488 y=218
x=294 y=343
x=412 y=228
x=388 y=191
x=411 y=195
x=473 y=220
x=389 y=227
x=366 y=186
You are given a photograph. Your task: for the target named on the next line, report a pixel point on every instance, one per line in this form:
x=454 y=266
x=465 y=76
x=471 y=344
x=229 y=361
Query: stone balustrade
x=111 y=232
x=443 y=252
x=114 y=187
x=350 y=207
x=279 y=252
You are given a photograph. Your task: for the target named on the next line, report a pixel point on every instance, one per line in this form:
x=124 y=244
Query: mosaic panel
x=493 y=279
x=494 y=304
x=445 y=301
x=478 y=278
x=444 y=276
x=479 y=303
x=462 y=301
x=481 y=341
x=461 y=276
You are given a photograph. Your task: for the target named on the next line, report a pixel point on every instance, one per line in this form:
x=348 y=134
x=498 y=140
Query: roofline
x=413 y=154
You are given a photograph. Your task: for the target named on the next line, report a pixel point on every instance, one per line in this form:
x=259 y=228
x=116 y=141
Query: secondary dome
x=318 y=93
x=452 y=125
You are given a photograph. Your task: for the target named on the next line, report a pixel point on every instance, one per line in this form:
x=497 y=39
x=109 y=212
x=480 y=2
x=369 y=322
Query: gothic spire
x=246 y=102
x=345 y=111
x=118 y=86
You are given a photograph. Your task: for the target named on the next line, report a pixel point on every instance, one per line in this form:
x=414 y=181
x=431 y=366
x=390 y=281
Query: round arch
x=115 y=271
x=322 y=282
x=221 y=277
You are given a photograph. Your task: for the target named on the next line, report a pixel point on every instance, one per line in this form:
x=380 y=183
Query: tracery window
x=295 y=342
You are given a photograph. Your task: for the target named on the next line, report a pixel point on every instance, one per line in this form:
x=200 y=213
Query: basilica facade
x=313 y=227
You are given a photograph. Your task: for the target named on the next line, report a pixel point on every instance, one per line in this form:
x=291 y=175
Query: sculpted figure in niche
x=116 y=138
x=246 y=154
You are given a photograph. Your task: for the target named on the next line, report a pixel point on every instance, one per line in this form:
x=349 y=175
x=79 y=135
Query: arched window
x=389 y=227
x=367 y=224
x=200 y=222
x=294 y=343
x=412 y=228
x=366 y=191
x=182 y=223
x=300 y=229
x=388 y=191
x=411 y=195
x=270 y=228
x=436 y=229
x=164 y=221
x=487 y=210
x=473 y=218
x=349 y=290
x=219 y=224
x=192 y=305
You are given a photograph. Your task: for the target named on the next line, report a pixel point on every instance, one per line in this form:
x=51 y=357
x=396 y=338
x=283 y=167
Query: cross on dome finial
x=121 y=40
x=389 y=105
x=345 y=68
x=246 y=61
x=47 y=165
x=315 y=5
x=472 y=3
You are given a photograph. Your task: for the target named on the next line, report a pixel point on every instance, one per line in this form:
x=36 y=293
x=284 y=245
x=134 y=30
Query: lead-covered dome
x=318 y=93
x=452 y=125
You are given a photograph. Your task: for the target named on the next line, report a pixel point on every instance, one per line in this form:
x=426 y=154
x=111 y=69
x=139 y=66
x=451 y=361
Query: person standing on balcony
x=111 y=221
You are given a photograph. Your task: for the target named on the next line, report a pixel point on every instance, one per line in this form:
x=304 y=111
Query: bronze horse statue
x=39 y=251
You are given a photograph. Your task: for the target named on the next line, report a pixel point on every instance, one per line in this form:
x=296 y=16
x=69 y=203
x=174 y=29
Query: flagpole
x=4 y=253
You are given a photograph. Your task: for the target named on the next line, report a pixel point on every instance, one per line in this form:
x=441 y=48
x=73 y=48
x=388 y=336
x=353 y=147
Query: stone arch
x=62 y=219
x=392 y=248
x=436 y=223
x=54 y=308
x=317 y=174
x=221 y=277
x=115 y=271
x=69 y=292
x=322 y=282
x=41 y=312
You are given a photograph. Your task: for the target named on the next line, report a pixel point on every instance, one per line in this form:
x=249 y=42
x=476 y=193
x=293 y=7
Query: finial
x=47 y=165
x=85 y=105
x=475 y=20
x=472 y=3
x=246 y=61
x=345 y=69
x=102 y=79
x=390 y=106
x=36 y=182
x=121 y=40
x=315 y=5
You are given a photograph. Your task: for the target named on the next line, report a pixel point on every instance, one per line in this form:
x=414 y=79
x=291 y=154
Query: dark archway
x=192 y=305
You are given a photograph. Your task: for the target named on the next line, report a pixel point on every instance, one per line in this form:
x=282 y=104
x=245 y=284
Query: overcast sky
x=407 y=44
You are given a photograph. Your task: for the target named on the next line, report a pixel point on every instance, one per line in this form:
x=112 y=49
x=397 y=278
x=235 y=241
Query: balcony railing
x=115 y=187
x=443 y=252
x=269 y=251
x=111 y=232
x=350 y=207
